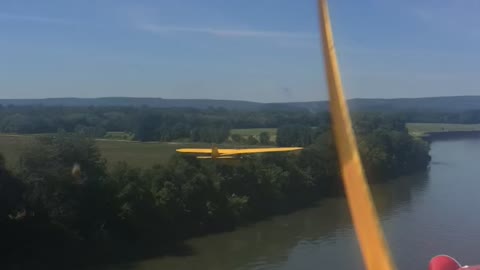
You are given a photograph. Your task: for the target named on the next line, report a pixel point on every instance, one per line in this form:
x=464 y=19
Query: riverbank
x=419 y=213
x=108 y=214
x=450 y=135
x=442 y=130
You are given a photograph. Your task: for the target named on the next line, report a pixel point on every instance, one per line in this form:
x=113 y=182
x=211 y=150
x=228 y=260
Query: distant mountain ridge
x=439 y=104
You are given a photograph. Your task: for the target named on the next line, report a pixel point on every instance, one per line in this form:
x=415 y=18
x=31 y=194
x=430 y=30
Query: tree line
x=62 y=201
x=211 y=125
x=147 y=124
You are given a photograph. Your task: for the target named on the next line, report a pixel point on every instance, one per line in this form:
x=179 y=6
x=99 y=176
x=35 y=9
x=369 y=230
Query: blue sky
x=259 y=50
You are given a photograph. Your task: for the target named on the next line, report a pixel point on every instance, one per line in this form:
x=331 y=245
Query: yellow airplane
x=216 y=153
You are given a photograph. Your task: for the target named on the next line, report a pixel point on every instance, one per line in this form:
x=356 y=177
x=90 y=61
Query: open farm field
x=137 y=154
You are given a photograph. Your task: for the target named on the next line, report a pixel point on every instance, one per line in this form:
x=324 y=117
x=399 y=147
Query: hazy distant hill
x=444 y=104
x=130 y=101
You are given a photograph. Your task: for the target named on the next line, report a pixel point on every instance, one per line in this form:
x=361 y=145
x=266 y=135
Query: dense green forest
x=210 y=125
x=62 y=204
x=148 y=124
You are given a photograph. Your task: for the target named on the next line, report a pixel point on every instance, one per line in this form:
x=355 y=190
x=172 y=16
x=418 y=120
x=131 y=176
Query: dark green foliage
x=11 y=192
x=237 y=138
x=294 y=135
x=74 y=201
x=392 y=153
x=264 y=138
x=210 y=134
x=251 y=140
x=92 y=131
x=319 y=160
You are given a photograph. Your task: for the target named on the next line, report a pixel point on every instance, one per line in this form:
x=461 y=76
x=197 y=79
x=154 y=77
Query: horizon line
x=238 y=100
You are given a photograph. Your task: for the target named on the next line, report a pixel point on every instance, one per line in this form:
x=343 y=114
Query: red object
x=445 y=262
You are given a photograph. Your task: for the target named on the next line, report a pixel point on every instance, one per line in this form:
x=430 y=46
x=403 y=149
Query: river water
x=423 y=215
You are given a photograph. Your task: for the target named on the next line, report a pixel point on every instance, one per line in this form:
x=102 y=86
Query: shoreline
x=449 y=135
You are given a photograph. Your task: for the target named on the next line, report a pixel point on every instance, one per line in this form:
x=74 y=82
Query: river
x=423 y=215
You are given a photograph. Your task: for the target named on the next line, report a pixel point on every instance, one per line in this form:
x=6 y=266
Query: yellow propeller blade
x=370 y=236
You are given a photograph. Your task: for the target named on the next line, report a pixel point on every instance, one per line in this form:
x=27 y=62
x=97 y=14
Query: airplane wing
x=230 y=152
x=247 y=151
x=203 y=151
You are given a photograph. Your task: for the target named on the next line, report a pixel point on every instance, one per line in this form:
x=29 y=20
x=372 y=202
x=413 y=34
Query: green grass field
x=135 y=153
x=420 y=129
x=11 y=146
x=140 y=154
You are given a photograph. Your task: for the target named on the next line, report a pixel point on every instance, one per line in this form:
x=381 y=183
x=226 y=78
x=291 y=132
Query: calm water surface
x=423 y=215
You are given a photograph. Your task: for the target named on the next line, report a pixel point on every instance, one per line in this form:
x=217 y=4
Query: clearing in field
x=254 y=132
